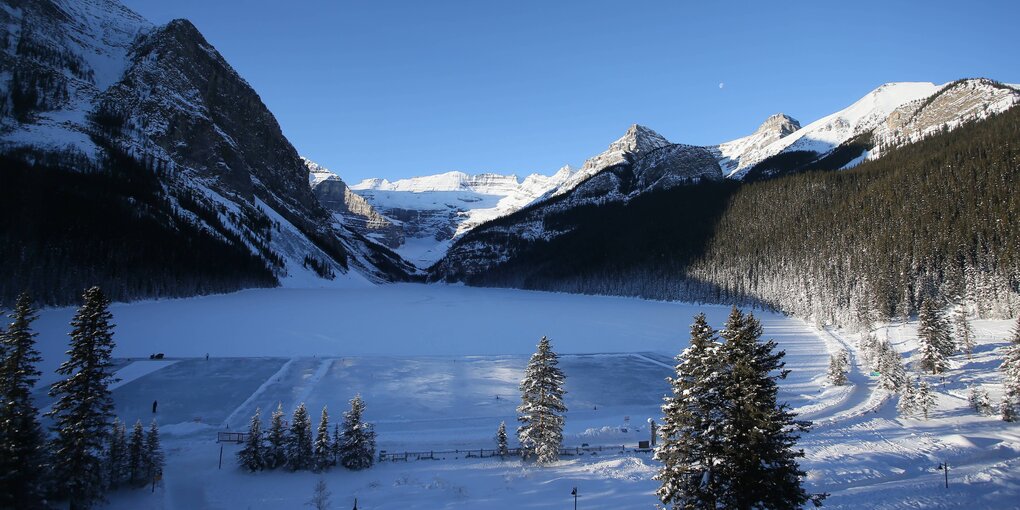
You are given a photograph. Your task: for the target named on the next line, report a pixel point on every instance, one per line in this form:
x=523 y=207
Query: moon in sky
x=721 y=84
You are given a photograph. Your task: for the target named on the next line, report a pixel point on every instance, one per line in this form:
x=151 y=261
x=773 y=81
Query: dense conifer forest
x=68 y=224
x=935 y=219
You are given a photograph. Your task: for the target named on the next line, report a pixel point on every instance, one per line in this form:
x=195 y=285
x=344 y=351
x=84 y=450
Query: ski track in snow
x=244 y=407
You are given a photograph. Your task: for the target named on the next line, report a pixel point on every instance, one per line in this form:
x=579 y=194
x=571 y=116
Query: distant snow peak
x=639 y=139
x=777 y=126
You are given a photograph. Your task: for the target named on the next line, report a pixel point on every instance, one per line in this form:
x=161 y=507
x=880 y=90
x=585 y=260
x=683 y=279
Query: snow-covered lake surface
x=438 y=367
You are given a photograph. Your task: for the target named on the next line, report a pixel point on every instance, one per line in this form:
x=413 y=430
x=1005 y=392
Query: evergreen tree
x=117 y=455
x=908 y=399
x=299 y=440
x=22 y=452
x=1010 y=369
x=253 y=456
x=136 y=455
x=502 y=448
x=964 y=333
x=932 y=356
x=933 y=330
x=336 y=446
x=979 y=400
x=542 y=409
x=358 y=448
x=892 y=376
x=839 y=365
x=83 y=409
x=1007 y=409
x=924 y=399
x=322 y=451
x=276 y=450
x=153 y=456
x=691 y=447
x=758 y=463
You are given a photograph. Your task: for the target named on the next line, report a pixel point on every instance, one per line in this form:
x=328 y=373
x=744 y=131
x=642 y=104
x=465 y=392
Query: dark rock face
x=356 y=213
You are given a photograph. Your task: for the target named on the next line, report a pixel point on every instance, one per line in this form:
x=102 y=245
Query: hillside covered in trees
x=932 y=219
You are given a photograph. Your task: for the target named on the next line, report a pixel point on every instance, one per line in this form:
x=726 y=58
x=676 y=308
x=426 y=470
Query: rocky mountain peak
x=777 y=126
x=638 y=139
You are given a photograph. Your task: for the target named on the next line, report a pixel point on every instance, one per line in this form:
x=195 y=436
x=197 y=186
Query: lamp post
x=944 y=466
x=574 y=493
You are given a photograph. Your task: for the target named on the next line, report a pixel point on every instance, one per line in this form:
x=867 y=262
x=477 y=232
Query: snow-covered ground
x=438 y=367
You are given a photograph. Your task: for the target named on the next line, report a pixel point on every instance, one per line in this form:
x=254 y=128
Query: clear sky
x=378 y=88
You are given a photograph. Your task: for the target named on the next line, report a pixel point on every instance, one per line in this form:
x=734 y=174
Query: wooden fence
x=485 y=453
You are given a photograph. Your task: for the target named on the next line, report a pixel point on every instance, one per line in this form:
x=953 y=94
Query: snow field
x=430 y=360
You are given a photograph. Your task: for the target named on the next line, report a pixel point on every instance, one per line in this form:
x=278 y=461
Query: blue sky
x=398 y=89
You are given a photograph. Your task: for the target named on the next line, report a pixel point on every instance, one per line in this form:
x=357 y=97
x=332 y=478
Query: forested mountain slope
x=935 y=218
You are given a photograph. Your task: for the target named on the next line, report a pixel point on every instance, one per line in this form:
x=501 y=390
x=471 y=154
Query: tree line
x=87 y=452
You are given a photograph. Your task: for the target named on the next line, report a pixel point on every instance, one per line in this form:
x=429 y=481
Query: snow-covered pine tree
x=839 y=365
x=83 y=410
x=1010 y=369
x=692 y=422
x=322 y=451
x=908 y=396
x=1007 y=410
x=22 y=450
x=136 y=455
x=758 y=465
x=358 y=448
x=924 y=399
x=964 y=333
x=892 y=375
x=253 y=455
x=979 y=400
x=502 y=449
x=276 y=447
x=869 y=351
x=153 y=455
x=117 y=455
x=299 y=440
x=542 y=409
x=336 y=445
x=932 y=329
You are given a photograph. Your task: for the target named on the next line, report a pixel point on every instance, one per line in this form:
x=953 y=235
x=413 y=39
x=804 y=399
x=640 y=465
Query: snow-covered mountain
x=640 y=162
x=892 y=114
x=434 y=210
x=84 y=80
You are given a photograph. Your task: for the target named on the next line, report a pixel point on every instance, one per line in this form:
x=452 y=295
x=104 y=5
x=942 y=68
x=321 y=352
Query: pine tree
x=1007 y=410
x=358 y=448
x=136 y=455
x=153 y=456
x=22 y=452
x=839 y=365
x=924 y=399
x=933 y=331
x=964 y=333
x=979 y=400
x=1010 y=369
x=892 y=376
x=253 y=456
x=502 y=448
x=908 y=399
x=758 y=465
x=542 y=409
x=932 y=357
x=83 y=409
x=322 y=450
x=276 y=449
x=691 y=446
x=336 y=445
x=117 y=455
x=299 y=440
